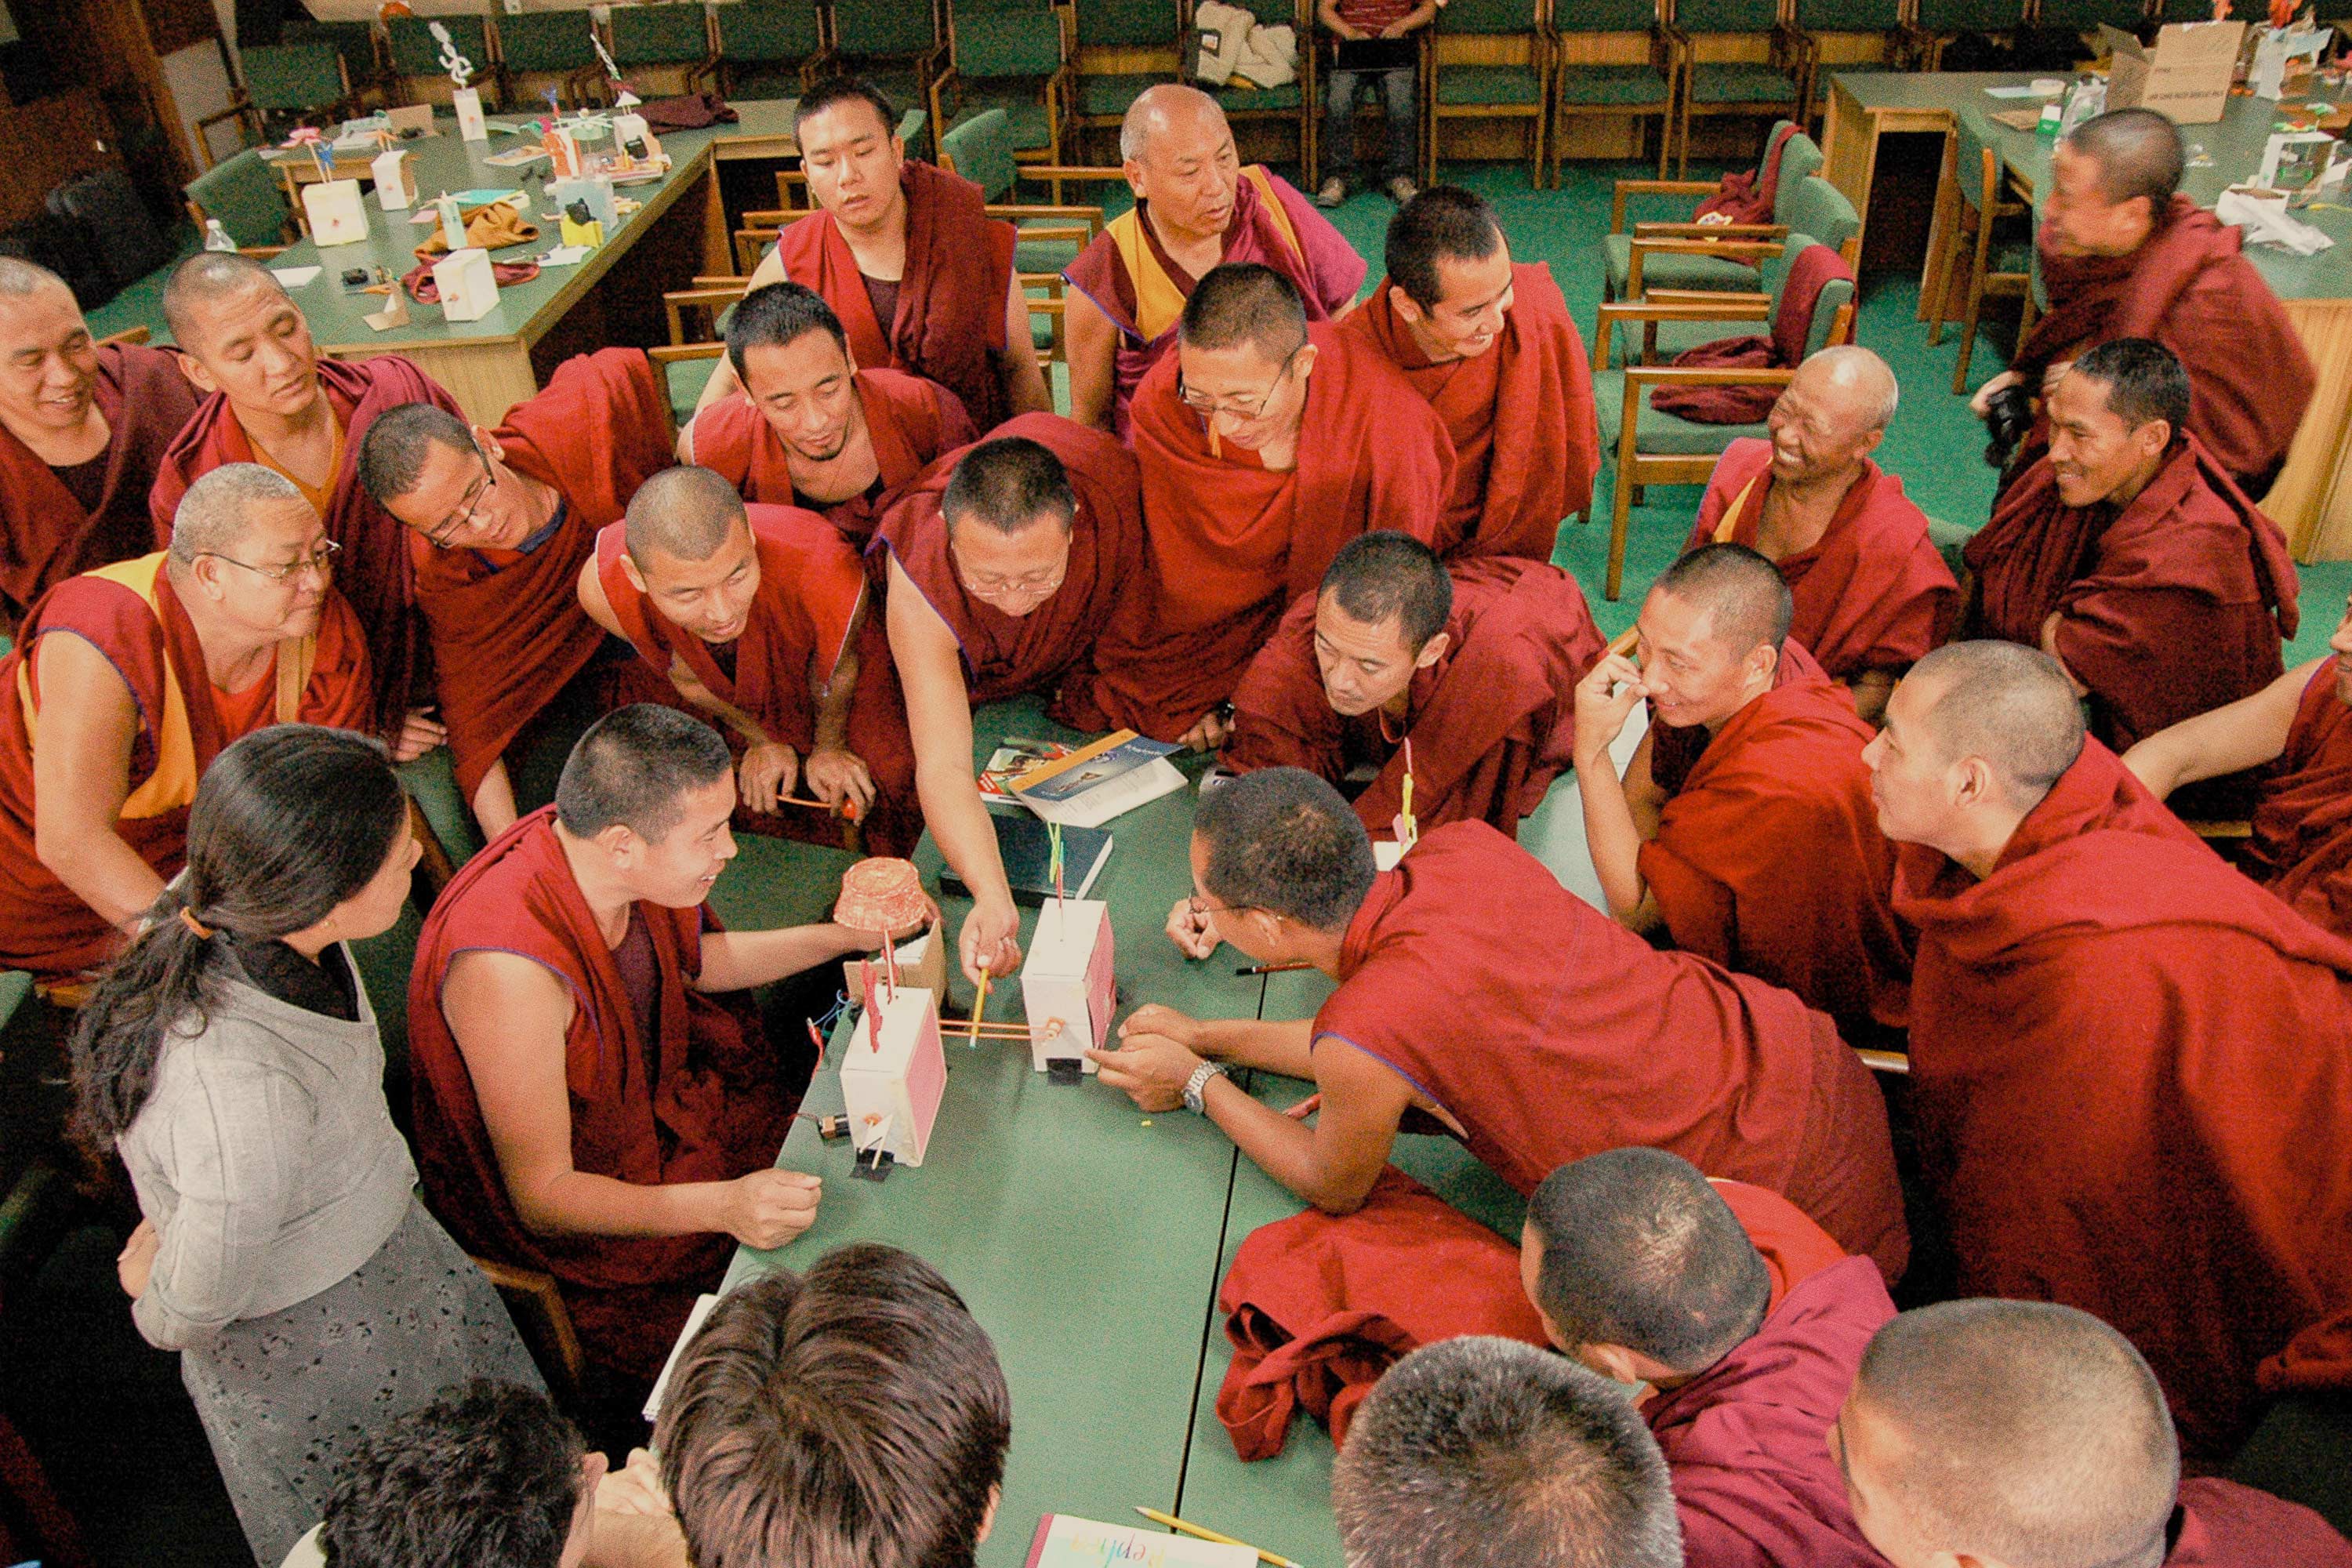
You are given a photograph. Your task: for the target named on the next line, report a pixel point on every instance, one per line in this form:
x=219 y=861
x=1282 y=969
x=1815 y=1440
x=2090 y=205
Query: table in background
x=2312 y=497
x=679 y=230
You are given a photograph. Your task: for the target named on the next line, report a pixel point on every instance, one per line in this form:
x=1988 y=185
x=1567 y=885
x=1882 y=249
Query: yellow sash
x=1158 y=301
x=1730 y=525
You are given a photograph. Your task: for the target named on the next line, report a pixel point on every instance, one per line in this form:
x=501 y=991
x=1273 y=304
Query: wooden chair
x=1726 y=82
x=1848 y=36
x=536 y=1305
x=1488 y=59
x=1670 y=270
x=1123 y=47
x=245 y=194
x=1014 y=56
x=1972 y=197
x=1295 y=103
x=296 y=83
x=1811 y=206
x=898 y=46
x=1050 y=236
x=2085 y=18
x=415 y=54
x=1936 y=23
x=359 y=44
x=128 y=335
x=535 y=46
x=661 y=43
x=1654 y=447
x=759 y=41
x=1611 y=59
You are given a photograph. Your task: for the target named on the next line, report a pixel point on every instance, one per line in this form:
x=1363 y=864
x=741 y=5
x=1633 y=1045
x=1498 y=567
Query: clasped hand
x=1157 y=1056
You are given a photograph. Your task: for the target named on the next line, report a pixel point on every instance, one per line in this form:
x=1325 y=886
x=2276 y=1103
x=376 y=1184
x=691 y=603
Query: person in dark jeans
x=1376 y=50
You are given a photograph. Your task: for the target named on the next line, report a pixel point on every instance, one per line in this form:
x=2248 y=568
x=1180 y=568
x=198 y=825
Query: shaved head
x=220 y=508
x=684 y=512
x=1853 y=381
x=1747 y=598
x=207 y=276
x=1007 y=484
x=1170 y=106
x=2016 y=1430
x=1245 y=303
x=2010 y=704
x=20 y=278
x=2138 y=152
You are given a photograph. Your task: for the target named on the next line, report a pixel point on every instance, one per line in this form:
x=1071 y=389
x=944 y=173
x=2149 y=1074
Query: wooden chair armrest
x=262 y=252
x=1669 y=246
x=1649 y=311
x=723 y=292
x=1077 y=234
x=1703 y=230
x=1652 y=188
x=1020 y=213
x=677 y=353
x=131 y=335
x=539 y=1290
x=70 y=991
x=1640 y=375
x=1067 y=171
x=771 y=217
x=1894 y=1064
x=1706 y=297
x=2222 y=832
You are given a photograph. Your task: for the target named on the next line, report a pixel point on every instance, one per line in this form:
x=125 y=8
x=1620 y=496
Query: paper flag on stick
x=1053 y=838
x=873 y=1006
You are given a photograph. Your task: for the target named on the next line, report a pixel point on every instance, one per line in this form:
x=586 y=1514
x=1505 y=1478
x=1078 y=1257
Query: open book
x=1065 y=1541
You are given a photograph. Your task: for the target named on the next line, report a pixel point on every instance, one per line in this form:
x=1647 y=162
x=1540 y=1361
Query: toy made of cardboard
x=1067 y=983
x=893 y=1074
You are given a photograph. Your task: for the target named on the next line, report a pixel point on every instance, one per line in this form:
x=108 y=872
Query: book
x=1065 y=1541
x=1014 y=761
x=1028 y=854
x=1064 y=779
x=1080 y=786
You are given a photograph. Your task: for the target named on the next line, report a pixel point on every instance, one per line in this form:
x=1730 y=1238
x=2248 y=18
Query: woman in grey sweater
x=231 y=1057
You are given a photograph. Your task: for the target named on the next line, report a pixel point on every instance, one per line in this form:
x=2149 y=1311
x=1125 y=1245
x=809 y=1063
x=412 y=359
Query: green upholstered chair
x=416 y=55
x=1865 y=35
x=766 y=48
x=297 y=82
x=897 y=47
x=357 y=42
x=1014 y=56
x=1123 y=48
x=1671 y=268
x=1936 y=23
x=1051 y=236
x=1987 y=241
x=1611 y=59
x=664 y=37
x=540 y=49
x=1775 y=88
x=1488 y=59
x=248 y=198
x=1651 y=447
x=1817 y=209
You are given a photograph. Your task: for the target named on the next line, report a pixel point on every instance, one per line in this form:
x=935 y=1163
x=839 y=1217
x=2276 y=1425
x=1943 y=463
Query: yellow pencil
x=1173 y=1522
x=979 y=1007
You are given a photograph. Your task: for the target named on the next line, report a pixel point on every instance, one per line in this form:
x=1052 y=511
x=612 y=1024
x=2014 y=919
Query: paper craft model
x=1067 y=983
x=893 y=1072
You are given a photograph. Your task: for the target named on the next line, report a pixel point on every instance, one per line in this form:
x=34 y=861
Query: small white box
x=469 y=289
x=891 y=1091
x=467 y=103
x=1067 y=982
x=337 y=212
x=395 y=181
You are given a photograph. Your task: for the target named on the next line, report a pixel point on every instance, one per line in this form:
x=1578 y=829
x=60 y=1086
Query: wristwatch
x=1198 y=1084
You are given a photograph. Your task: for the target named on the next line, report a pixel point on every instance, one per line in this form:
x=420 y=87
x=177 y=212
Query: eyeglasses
x=322 y=561
x=1035 y=583
x=440 y=537
x=1201 y=910
x=1209 y=406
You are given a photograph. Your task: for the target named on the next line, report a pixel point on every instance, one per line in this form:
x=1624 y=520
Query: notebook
x=1105 y=778
x=1065 y=1541
x=1027 y=850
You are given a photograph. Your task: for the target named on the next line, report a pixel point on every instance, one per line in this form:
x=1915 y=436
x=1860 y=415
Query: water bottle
x=215 y=236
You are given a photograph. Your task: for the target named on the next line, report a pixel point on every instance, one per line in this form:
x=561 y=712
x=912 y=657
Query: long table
x=2312 y=497
x=679 y=230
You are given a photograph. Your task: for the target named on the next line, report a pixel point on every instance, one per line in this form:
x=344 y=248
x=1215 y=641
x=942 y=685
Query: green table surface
x=2233 y=144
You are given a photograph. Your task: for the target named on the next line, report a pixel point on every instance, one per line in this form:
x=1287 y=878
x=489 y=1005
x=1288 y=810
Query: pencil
x=981 y=1005
x=1273 y=968
x=1173 y=1522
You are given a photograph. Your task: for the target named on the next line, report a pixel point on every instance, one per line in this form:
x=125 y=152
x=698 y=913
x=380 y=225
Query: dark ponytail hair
x=287 y=823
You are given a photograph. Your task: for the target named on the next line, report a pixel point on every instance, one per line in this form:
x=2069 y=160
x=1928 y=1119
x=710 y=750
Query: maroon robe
x=1516 y=476
x=1491 y=723
x=2172 y=606
x=812 y=588
x=1872 y=592
x=1769 y=860
x=1547 y=1032
x=374 y=572
x=2221 y=1525
x=2188 y=286
x=950 y=323
x=47 y=535
x=1745 y=1441
x=1234 y=542
x=1052 y=648
x=910 y=420
x=703 y=1102
x=2131 y=1097
x=2302 y=844
x=507 y=630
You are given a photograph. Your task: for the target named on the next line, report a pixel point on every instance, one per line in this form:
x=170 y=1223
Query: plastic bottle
x=215 y=236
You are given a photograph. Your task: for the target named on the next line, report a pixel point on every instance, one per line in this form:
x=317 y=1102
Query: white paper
x=694 y=1321
x=564 y=255
x=295 y=276
x=2042 y=86
x=2265 y=222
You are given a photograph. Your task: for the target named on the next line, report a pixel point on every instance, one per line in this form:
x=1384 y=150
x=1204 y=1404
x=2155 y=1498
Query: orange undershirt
x=317 y=496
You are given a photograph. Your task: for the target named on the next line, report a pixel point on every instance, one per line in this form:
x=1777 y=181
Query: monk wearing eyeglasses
x=1266 y=443
x=500 y=524
x=124 y=684
x=1006 y=562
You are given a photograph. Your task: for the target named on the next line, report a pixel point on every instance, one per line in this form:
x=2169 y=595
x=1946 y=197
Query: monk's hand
x=2049 y=376
x=835 y=776
x=1192 y=933
x=990 y=936
x=1152 y=1018
x=419 y=733
x=1604 y=699
x=1209 y=734
x=768 y=773
x=1151 y=1069
x=1982 y=403
x=767 y=1208
x=137 y=1259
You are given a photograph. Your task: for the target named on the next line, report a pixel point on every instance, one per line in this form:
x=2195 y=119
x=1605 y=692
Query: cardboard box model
x=893 y=1092
x=2185 y=75
x=337 y=214
x=469 y=289
x=1067 y=983
x=395 y=181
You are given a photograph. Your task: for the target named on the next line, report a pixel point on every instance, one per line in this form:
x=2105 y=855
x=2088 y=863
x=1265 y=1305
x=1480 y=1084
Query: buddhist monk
x=82 y=429
x=905 y=255
x=1743 y=827
x=1266 y=443
x=1458 y=676
x=1475 y=989
x=501 y=521
x=2125 y=255
x=595 y=1096
x=1483 y=1452
x=2123 y=1098
x=2302 y=844
x=808 y=428
x=1005 y=562
x=271 y=399
x=1489 y=343
x=153 y=666
x=1196 y=208
x=758 y=616
x=1872 y=594
x=2017 y=1432
x=2131 y=558
x=1644 y=1273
